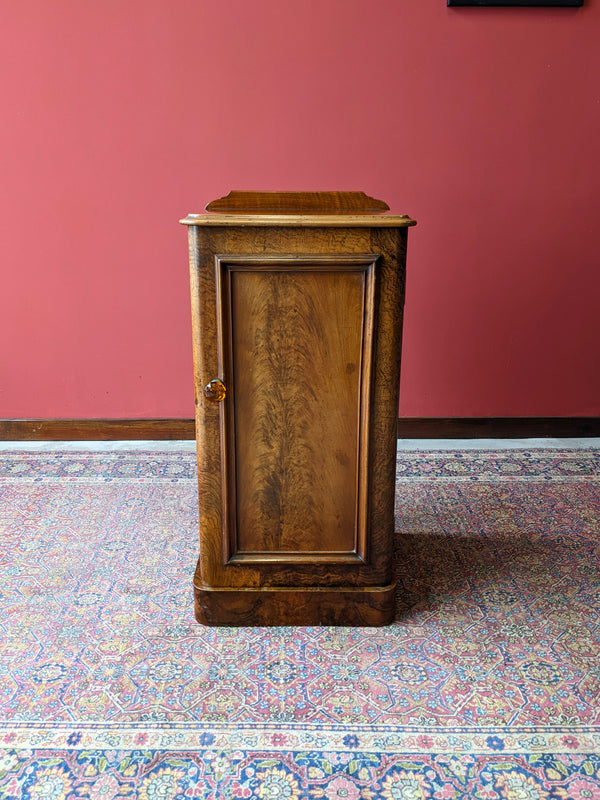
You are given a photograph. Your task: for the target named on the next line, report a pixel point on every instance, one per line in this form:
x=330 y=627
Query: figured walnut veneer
x=297 y=203
x=301 y=324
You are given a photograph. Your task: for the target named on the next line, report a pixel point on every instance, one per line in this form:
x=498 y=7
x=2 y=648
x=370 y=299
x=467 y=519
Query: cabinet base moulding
x=361 y=607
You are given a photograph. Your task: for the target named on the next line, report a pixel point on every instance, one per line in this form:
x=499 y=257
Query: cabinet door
x=295 y=347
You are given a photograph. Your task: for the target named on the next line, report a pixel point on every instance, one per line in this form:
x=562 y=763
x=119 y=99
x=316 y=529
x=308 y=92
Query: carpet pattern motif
x=486 y=686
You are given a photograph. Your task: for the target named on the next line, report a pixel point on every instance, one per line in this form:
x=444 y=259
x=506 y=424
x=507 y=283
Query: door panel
x=295 y=340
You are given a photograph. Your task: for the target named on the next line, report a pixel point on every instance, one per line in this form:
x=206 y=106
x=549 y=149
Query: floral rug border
x=174 y=737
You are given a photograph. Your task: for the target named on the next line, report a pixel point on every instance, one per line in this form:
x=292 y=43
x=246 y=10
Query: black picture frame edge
x=516 y=3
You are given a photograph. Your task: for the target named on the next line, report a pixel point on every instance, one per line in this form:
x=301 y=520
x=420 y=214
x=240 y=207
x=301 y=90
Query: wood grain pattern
x=65 y=430
x=314 y=606
x=297 y=203
x=284 y=550
x=304 y=220
x=295 y=342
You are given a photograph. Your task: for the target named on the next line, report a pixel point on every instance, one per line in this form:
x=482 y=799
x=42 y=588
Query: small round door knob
x=215 y=390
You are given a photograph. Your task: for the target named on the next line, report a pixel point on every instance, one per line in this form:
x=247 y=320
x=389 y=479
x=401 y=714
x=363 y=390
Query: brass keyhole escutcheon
x=215 y=390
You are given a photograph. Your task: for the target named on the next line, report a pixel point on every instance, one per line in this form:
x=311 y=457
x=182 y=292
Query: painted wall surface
x=119 y=117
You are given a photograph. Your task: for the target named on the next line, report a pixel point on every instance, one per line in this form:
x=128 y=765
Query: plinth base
x=346 y=606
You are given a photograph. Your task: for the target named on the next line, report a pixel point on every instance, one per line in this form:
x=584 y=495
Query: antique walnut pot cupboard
x=297 y=304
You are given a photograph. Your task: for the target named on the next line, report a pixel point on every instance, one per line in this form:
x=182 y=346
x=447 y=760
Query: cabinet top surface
x=298 y=208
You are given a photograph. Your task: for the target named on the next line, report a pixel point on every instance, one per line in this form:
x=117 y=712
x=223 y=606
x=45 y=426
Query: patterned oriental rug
x=487 y=686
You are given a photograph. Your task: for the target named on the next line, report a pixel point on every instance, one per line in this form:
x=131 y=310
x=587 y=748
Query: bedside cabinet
x=297 y=318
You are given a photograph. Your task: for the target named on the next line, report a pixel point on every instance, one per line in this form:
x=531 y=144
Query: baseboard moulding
x=408 y=428
x=498 y=427
x=55 y=430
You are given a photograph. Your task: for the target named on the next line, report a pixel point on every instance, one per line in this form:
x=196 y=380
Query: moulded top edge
x=313 y=220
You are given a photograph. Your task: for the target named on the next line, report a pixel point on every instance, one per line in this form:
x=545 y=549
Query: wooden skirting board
x=498 y=427
x=95 y=429
x=408 y=428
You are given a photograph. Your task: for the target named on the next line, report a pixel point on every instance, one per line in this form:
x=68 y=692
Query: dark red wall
x=120 y=116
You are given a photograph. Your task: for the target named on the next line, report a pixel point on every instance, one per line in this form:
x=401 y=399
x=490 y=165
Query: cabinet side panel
x=386 y=383
x=208 y=439
x=297 y=359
